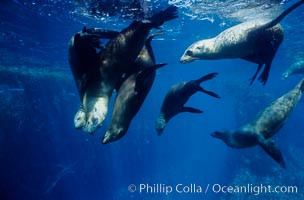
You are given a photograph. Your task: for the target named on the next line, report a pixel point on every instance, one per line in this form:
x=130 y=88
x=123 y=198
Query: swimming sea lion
x=256 y=41
x=177 y=96
x=130 y=98
x=267 y=123
x=132 y=93
x=117 y=59
x=83 y=59
x=295 y=68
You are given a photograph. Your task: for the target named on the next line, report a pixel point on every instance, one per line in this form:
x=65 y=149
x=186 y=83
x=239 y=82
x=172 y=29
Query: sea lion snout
x=80 y=119
x=113 y=135
x=160 y=124
x=94 y=121
x=106 y=138
x=187 y=57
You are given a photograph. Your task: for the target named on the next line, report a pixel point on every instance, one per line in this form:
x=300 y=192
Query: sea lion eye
x=189 y=53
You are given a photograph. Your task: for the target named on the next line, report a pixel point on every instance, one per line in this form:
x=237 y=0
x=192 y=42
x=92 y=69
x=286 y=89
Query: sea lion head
x=113 y=135
x=160 y=124
x=198 y=50
x=239 y=138
x=80 y=118
x=224 y=135
x=97 y=110
x=96 y=118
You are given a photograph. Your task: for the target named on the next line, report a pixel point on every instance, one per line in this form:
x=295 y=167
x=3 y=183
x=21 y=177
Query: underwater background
x=42 y=156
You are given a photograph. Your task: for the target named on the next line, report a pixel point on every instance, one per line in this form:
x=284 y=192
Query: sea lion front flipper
x=148 y=45
x=191 y=110
x=208 y=92
x=142 y=75
x=207 y=77
x=159 y=18
x=273 y=150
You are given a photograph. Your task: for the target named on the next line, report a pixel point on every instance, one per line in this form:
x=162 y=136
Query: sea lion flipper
x=160 y=32
x=207 y=77
x=142 y=75
x=256 y=73
x=264 y=76
x=151 y=37
x=168 y=14
x=282 y=15
x=148 y=46
x=191 y=110
x=208 y=92
x=271 y=148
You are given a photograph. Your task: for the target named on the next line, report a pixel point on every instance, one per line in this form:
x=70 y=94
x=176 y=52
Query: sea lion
x=118 y=58
x=295 y=68
x=83 y=60
x=130 y=98
x=132 y=93
x=256 y=41
x=177 y=96
x=267 y=123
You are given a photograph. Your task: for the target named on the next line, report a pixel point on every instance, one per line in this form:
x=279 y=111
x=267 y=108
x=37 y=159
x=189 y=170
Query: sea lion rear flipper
x=272 y=149
x=264 y=76
x=208 y=92
x=142 y=75
x=256 y=73
x=191 y=110
x=282 y=15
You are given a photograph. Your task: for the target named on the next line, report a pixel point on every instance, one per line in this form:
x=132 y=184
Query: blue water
x=42 y=156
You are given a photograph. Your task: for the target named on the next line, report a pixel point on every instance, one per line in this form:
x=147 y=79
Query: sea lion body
x=176 y=98
x=84 y=62
x=267 y=123
x=295 y=68
x=132 y=93
x=256 y=41
x=234 y=42
x=118 y=58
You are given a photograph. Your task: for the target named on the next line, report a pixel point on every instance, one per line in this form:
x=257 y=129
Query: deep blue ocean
x=42 y=155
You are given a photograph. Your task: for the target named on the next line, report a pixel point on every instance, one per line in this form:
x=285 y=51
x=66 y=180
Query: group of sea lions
x=127 y=64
